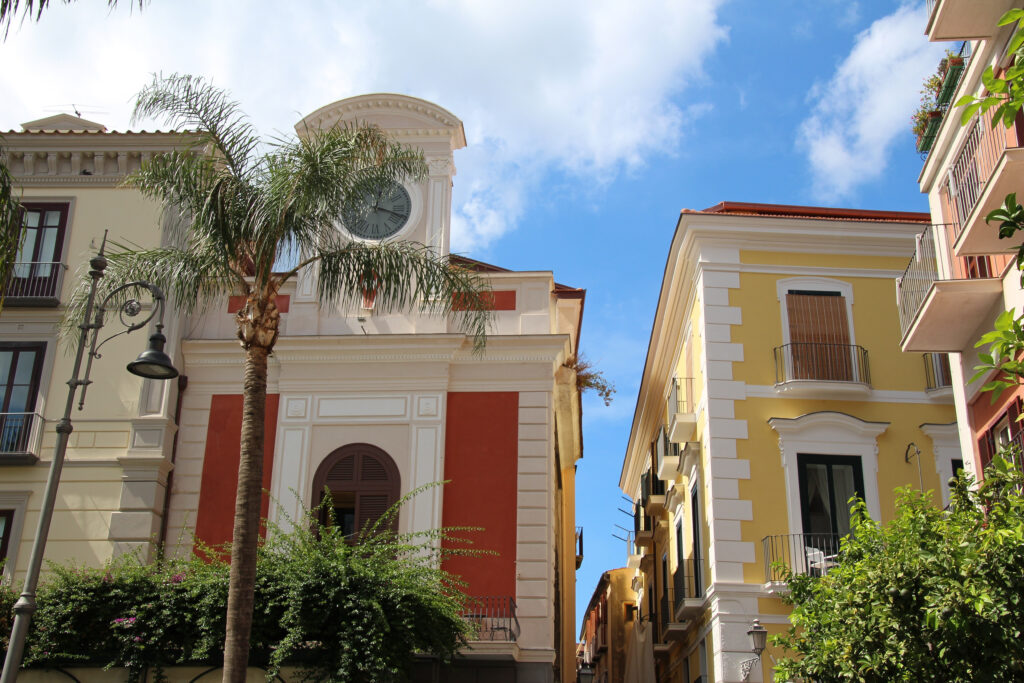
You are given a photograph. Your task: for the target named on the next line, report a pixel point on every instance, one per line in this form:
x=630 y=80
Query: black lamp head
x=153 y=363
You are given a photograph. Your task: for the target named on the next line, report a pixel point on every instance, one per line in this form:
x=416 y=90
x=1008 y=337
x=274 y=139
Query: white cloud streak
x=864 y=110
x=588 y=87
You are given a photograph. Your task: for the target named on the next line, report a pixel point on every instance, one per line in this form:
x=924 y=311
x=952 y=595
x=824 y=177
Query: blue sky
x=591 y=123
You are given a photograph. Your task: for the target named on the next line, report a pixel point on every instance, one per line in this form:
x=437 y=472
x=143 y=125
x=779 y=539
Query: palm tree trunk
x=245 y=538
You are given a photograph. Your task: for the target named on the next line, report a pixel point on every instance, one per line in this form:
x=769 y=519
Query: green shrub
x=338 y=611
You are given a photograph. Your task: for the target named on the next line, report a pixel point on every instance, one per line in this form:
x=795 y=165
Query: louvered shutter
x=819 y=336
x=365 y=472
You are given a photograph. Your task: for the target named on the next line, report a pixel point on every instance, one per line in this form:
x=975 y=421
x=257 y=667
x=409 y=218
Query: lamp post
x=153 y=363
x=758 y=641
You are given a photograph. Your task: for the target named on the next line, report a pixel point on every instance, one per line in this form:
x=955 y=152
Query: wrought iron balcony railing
x=812 y=554
x=641 y=522
x=579 y=546
x=818 y=361
x=494 y=618
x=684 y=584
x=35 y=283
x=650 y=485
x=680 y=399
x=16 y=431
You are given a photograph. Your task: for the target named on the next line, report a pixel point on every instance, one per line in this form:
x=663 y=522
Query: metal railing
x=493 y=617
x=913 y=286
x=684 y=582
x=34 y=280
x=973 y=166
x=663 y=447
x=579 y=546
x=819 y=361
x=680 y=398
x=812 y=554
x=16 y=431
x=937 y=374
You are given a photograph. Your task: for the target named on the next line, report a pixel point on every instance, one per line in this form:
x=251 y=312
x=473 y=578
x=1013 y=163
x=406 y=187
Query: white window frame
x=946 y=444
x=828 y=433
x=813 y=284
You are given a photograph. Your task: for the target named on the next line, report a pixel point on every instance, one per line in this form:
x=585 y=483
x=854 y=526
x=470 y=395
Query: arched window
x=363 y=481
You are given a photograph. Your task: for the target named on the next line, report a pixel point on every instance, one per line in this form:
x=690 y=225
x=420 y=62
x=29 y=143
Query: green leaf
x=1011 y=16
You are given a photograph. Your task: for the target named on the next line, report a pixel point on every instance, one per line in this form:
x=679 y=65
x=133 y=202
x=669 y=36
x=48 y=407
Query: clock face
x=380 y=214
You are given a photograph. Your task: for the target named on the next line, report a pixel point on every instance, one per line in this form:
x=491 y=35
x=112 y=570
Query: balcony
x=960 y=19
x=17 y=438
x=493 y=618
x=689 y=597
x=937 y=375
x=666 y=456
x=35 y=283
x=652 y=493
x=940 y=314
x=643 y=528
x=987 y=167
x=579 y=546
x=812 y=554
x=682 y=414
x=815 y=369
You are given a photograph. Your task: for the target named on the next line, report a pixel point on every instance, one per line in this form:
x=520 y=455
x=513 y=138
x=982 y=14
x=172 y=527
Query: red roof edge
x=815 y=212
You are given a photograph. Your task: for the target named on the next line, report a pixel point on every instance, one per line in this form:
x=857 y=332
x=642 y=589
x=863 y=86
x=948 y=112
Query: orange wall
x=480 y=466
x=216 y=515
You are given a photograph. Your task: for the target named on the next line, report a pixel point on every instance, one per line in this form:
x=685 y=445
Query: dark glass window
x=20 y=367
x=827 y=482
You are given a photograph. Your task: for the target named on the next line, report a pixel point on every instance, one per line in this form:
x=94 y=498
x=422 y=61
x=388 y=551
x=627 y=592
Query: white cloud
x=584 y=86
x=865 y=108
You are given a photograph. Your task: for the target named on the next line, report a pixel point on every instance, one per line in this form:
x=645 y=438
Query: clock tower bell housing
x=419 y=124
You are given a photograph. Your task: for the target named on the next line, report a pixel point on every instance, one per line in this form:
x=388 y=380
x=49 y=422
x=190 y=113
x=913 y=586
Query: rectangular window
x=38 y=266
x=827 y=482
x=20 y=367
x=1008 y=430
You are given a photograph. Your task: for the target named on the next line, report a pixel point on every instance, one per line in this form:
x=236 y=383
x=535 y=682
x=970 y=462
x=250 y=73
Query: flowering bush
x=337 y=611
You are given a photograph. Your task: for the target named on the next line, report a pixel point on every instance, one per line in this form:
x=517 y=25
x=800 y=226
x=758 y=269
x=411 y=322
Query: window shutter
x=819 y=336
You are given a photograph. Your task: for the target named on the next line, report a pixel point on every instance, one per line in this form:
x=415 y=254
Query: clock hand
x=393 y=213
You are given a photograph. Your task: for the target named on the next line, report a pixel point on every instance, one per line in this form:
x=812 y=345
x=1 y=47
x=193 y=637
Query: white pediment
x=409 y=116
x=62 y=122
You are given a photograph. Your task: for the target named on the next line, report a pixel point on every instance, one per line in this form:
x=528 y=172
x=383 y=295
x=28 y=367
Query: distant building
x=961 y=275
x=368 y=403
x=607 y=626
x=773 y=391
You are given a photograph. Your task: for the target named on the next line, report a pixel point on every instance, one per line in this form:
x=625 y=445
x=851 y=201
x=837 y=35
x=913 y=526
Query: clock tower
x=417 y=211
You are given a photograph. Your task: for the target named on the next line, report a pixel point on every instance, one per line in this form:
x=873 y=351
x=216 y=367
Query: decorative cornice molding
x=827 y=419
x=439 y=121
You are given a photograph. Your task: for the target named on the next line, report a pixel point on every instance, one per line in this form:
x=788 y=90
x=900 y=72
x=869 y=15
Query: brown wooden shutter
x=363 y=470
x=819 y=336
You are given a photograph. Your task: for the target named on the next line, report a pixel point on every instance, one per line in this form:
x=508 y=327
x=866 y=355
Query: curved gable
x=402 y=114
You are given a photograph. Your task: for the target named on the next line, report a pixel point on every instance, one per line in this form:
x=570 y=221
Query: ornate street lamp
x=153 y=363
x=758 y=641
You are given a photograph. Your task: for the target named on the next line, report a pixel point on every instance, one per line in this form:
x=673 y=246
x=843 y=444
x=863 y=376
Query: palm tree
x=8 y=8
x=235 y=206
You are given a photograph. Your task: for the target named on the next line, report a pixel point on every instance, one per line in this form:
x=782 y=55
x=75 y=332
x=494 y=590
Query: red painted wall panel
x=216 y=515
x=481 y=465
x=283 y=302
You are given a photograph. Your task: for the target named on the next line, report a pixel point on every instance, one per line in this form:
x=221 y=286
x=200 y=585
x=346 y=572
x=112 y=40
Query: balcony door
x=38 y=262
x=20 y=367
x=819 y=336
x=827 y=482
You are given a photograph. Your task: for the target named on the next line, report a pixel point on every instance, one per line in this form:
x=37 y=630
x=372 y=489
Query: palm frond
x=403 y=276
x=8 y=8
x=192 y=103
x=190 y=279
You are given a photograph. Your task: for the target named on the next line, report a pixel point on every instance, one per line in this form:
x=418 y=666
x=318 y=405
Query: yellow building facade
x=774 y=389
